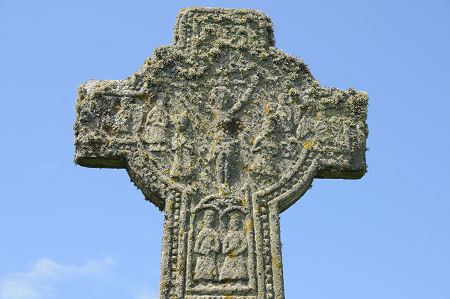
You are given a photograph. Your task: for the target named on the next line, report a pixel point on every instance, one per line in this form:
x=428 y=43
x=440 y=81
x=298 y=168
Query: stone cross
x=223 y=132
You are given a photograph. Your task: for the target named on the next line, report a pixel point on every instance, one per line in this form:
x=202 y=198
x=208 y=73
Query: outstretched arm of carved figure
x=245 y=96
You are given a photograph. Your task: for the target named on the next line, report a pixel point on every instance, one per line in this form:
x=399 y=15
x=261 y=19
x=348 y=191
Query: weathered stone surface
x=223 y=132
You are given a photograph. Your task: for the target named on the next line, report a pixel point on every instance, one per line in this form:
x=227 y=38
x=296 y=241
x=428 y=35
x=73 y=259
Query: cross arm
x=336 y=129
x=109 y=114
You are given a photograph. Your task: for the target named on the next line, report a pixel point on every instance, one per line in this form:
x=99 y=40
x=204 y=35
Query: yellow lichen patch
x=223 y=191
x=173 y=180
x=167 y=170
x=305 y=108
x=229 y=297
x=252 y=140
x=142 y=96
x=212 y=147
x=231 y=254
x=124 y=152
x=274 y=260
x=308 y=145
x=246 y=167
x=214 y=116
x=171 y=205
x=278 y=265
x=180 y=270
x=249 y=225
x=243 y=201
x=318 y=115
x=268 y=122
x=267 y=110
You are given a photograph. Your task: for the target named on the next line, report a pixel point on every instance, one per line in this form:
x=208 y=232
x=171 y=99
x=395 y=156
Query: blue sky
x=73 y=232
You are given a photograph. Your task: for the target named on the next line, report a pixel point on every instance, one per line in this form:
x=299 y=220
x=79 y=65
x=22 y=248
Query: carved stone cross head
x=223 y=132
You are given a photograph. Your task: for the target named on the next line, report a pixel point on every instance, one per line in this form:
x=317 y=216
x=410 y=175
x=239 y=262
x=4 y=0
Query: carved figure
x=207 y=245
x=181 y=147
x=156 y=127
x=234 y=246
x=255 y=121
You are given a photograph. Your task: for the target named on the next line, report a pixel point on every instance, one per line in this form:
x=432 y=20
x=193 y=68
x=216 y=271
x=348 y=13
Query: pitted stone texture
x=224 y=132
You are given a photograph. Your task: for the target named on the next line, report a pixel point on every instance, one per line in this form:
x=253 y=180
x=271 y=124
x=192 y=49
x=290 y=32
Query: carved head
x=220 y=97
x=234 y=222
x=208 y=218
x=181 y=121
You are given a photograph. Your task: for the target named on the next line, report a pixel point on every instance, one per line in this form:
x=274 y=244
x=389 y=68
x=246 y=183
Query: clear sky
x=73 y=232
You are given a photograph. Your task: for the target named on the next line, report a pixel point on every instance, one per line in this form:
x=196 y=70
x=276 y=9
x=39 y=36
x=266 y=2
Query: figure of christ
x=234 y=246
x=207 y=246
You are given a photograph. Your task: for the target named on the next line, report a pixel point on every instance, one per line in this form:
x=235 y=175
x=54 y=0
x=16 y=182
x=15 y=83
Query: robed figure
x=234 y=246
x=207 y=246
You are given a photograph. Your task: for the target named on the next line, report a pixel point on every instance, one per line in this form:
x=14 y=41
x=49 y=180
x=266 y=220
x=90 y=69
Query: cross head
x=223 y=132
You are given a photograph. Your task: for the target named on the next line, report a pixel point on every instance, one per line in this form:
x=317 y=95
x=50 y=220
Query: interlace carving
x=223 y=132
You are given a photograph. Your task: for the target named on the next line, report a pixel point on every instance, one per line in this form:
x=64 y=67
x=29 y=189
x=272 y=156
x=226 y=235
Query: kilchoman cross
x=223 y=132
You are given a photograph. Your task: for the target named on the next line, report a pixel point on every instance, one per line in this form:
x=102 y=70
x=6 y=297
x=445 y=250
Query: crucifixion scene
x=223 y=132
x=252 y=150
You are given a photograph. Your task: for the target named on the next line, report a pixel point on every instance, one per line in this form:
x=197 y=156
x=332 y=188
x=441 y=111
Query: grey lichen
x=218 y=119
